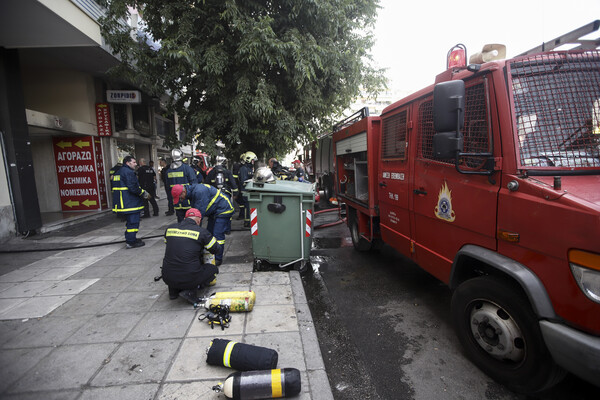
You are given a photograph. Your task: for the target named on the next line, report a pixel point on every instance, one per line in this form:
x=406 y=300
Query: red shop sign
x=103 y=119
x=76 y=172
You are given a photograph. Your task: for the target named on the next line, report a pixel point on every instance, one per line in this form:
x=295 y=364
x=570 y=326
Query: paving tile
x=279 y=318
x=270 y=278
x=163 y=303
x=53 y=395
x=226 y=267
x=26 y=289
x=202 y=328
x=34 y=307
x=66 y=367
x=67 y=287
x=138 y=362
x=93 y=272
x=57 y=274
x=131 y=302
x=190 y=363
x=22 y=274
x=126 y=271
x=273 y=294
x=6 y=285
x=241 y=279
x=109 y=285
x=47 y=331
x=84 y=304
x=15 y=363
x=163 y=325
x=193 y=390
x=288 y=346
x=7 y=304
x=104 y=328
x=144 y=391
x=11 y=329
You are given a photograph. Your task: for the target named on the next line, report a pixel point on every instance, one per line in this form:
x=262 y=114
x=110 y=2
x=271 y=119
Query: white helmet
x=177 y=154
x=264 y=175
x=249 y=157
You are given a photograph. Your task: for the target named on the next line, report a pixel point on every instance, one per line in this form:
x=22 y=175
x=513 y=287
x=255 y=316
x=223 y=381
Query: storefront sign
x=124 y=96
x=76 y=171
x=103 y=119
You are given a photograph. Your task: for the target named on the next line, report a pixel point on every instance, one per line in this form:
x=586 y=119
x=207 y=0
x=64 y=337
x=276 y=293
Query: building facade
x=64 y=122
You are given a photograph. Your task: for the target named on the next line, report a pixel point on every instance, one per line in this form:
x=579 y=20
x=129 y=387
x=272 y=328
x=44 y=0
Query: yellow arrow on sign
x=88 y=202
x=62 y=144
x=82 y=144
x=71 y=203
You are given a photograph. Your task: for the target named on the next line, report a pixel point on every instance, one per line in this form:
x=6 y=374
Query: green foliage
x=259 y=75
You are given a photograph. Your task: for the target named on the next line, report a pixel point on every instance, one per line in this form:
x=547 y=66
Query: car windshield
x=557 y=110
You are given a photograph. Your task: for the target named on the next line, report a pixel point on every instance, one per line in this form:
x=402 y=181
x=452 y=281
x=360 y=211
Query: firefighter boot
x=173 y=293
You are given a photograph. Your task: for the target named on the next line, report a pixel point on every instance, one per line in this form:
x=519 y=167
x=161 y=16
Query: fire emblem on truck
x=443 y=210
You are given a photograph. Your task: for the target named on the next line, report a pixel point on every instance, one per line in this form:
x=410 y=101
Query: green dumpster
x=281 y=215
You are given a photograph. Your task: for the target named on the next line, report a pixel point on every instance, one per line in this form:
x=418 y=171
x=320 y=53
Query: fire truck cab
x=490 y=181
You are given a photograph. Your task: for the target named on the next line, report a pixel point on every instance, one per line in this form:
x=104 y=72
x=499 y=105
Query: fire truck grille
x=556 y=100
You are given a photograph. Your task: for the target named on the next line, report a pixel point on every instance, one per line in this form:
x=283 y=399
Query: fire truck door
x=453 y=209
x=394 y=182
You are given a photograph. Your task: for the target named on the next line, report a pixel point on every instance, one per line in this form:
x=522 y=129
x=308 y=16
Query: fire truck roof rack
x=571 y=38
x=357 y=116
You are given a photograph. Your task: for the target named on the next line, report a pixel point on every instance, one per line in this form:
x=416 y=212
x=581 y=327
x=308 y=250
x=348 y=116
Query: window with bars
x=476 y=131
x=394 y=137
x=557 y=109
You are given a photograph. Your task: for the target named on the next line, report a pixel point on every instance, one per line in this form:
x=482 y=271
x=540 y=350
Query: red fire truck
x=490 y=181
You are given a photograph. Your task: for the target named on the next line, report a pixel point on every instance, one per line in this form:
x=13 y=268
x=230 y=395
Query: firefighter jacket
x=181 y=174
x=245 y=173
x=280 y=172
x=221 y=178
x=113 y=171
x=299 y=174
x=209 y=200
x=185 y=244
x=126 y=191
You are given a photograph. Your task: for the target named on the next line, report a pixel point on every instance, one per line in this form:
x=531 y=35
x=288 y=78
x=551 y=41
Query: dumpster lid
x=281 y=187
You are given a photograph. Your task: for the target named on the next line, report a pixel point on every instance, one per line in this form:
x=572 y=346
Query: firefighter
x=213 y=204
x=236 y=175
x=222 y=178
x=183 y=269
x=200 y=174
x=278 y=170
x=163 y=178
x=127 y=200
x=180 y=173
x=246 y=172
x=147 y=179
x=299 y=174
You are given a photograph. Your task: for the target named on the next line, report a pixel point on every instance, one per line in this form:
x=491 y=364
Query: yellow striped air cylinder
x=240 y=356
x=241 y=301
x=208 y=257
x=266 y=384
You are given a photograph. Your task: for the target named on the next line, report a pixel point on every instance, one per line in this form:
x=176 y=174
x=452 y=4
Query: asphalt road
x=385 y=332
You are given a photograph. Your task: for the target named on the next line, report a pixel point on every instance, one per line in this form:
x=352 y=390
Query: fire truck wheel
x=500 y=334
x=360 y=243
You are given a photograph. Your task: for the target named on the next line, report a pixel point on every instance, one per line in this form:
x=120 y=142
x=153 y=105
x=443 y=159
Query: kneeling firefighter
x=183 y=269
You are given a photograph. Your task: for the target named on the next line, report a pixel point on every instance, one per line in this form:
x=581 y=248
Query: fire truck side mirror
x=449 y=106
x=446 y=144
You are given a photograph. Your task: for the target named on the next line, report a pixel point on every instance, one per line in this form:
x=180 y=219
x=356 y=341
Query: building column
x=17 y=145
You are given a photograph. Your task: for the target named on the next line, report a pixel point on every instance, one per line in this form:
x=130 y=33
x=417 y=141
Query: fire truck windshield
x=557 y=110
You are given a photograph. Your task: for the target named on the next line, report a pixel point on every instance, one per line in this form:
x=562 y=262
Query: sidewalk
x=92 y=323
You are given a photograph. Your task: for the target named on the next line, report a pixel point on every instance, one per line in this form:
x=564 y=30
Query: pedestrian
x=246 y=172
x=183 y=269
x=180 y=174
x=236 y=175
x=222 y=178
x=151 y=165
x=299 y=174
x=163 y=178
x=212 y=204
x=147 y=178
x=127 y=200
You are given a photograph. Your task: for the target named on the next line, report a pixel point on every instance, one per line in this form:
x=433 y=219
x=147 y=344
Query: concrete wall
x=7 y=219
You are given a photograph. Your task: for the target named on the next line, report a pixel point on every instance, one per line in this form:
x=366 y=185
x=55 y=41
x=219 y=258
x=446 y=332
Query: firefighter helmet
x=177 y=154
x=264 y=175
x=242 y=157
x=249 y=157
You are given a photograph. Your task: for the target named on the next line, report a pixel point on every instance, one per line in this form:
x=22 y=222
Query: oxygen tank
x=241 y=301
x=240 y=356
x=267 y=384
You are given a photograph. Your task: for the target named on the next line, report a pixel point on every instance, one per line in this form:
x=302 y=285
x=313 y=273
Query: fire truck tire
x=500 y=334
x=360 y=243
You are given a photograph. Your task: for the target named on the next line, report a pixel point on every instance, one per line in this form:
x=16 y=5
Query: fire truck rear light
x=507 y=236
x=586 y=271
